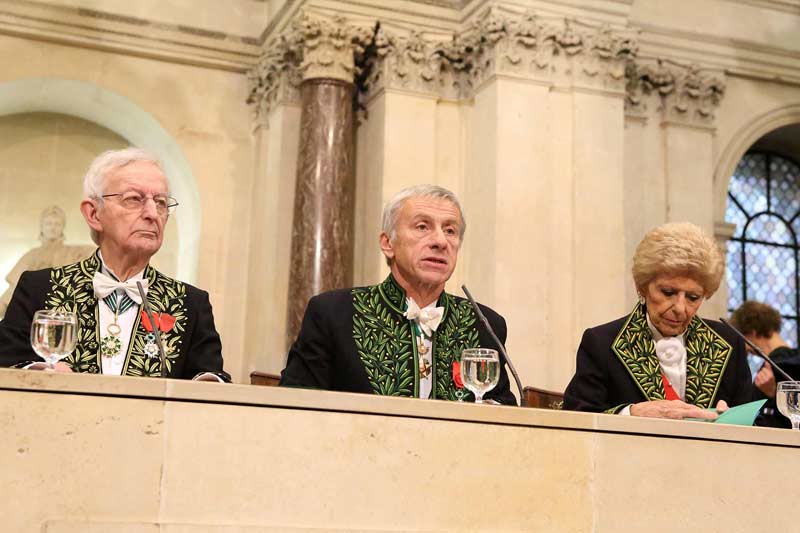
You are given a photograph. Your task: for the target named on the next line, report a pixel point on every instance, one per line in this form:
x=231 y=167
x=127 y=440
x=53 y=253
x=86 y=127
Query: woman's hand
x=675 y=409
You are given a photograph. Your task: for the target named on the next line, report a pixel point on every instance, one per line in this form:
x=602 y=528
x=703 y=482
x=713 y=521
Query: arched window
x=764 y=203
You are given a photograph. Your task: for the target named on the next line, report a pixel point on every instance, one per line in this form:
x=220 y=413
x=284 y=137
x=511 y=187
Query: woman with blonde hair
x=662 y=360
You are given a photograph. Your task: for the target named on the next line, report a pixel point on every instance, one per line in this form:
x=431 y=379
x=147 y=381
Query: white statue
x=52 y=253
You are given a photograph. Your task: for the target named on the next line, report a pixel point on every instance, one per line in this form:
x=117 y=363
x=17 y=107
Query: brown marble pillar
x=322 y=232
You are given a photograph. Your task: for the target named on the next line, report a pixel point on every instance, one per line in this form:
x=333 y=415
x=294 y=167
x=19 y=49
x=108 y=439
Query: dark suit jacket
x=615 y=369
x=193 y=345
x=357 y=340
x=789 y=360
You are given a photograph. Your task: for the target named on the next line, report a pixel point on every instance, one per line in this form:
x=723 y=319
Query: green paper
x=741 y=415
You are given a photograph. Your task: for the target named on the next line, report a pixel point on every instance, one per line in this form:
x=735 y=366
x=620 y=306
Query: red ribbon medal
x=165 y=321
x=457 y=375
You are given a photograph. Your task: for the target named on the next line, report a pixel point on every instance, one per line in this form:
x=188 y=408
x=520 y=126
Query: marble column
x=322 y=234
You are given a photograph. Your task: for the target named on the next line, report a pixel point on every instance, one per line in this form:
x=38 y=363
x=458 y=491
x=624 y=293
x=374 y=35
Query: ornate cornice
x=556 y=51
x=681 y=93
x=560 y=52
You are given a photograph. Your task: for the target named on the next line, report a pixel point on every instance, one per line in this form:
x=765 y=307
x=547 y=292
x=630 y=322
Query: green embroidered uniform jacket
x=192 y=345
x=617 y=366
x=358 y=340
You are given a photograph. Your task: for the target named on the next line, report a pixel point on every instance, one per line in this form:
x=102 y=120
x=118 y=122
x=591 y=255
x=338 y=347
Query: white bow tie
x=428 y=318
x=104 y=285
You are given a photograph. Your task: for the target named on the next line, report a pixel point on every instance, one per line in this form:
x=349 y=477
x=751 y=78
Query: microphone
x=156 y=329
x=497 y=341
x=756 y=349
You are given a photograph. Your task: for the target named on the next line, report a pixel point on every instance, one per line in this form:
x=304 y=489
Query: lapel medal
x=150 y=346
x=164 y=322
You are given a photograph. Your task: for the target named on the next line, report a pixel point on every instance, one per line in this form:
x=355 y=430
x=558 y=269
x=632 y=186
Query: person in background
x=662 y=360
x=761 y=324
x=126 y=205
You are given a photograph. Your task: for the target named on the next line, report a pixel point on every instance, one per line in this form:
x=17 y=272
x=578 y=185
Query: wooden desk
x=114 y=454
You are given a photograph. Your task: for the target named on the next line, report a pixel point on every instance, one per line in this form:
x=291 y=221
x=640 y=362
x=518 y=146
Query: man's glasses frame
x=135 y=201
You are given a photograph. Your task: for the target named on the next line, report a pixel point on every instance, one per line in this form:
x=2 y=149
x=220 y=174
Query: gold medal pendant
x=110 y=345
x=424 y=368
x=424 y=365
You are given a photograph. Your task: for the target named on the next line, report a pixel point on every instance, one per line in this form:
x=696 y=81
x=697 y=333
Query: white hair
x=393 y=206
x=107 y=162
x=94 y=181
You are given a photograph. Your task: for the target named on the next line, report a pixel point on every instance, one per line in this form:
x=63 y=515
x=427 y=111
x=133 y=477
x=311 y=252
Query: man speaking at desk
x=126 y=204
x=403 y=337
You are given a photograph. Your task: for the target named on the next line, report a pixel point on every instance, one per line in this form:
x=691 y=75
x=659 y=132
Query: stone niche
x=45 y=156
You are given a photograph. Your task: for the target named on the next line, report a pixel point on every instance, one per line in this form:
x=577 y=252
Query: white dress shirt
x=125 y=321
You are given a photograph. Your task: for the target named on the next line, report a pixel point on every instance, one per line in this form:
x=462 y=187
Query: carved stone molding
x=313 y=46
x=413 y=63
x=681 y=93
x=563 y=52
x=557 y=51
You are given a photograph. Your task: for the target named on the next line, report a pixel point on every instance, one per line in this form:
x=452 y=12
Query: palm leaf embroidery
x=706 y=358
x=71 y=290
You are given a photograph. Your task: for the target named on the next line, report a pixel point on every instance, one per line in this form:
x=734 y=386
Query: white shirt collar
x=106 y=270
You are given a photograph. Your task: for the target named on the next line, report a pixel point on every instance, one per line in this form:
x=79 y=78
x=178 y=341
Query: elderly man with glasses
x=126 y=205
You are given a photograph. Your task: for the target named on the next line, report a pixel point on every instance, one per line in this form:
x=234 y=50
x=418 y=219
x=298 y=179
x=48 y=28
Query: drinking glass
x=54 y=334
x=788 y=400
x=480 y=371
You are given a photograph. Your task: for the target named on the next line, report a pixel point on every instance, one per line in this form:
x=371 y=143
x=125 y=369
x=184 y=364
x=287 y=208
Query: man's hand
x=61 y=367
x=208 y=376
x=765 y=381
x=675 y=409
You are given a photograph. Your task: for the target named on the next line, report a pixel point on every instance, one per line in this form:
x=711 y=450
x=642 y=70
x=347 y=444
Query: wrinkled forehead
x=432 y=207
x=141 y=176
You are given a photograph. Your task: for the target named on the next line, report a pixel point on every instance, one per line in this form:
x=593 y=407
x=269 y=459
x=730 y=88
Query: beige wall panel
x=370 y=139
x=235 y=17
x=600 y=276
x=689 y=175
x=479 y=196
x=526 y=224
x=270 y=244
x=743 y=21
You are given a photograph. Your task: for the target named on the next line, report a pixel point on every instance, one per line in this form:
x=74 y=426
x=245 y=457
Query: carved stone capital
x=313 y=46
x=329 y=46
x=682 y=93
x=410 y=63
x=563 y=52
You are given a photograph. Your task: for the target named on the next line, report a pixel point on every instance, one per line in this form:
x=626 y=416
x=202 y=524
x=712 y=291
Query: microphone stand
x=497 y=341
x=156 y=330
x=757 y=350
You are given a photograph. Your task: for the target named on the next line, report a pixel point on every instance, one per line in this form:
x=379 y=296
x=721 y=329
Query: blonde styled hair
x=678 y=248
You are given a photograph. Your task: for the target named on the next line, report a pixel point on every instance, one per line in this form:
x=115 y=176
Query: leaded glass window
x=764 y=203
